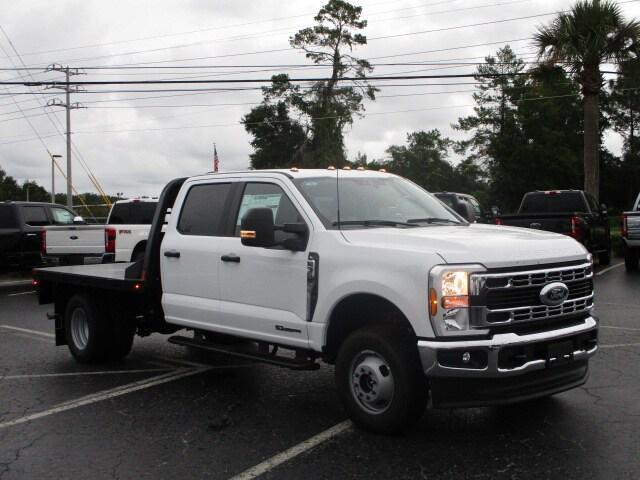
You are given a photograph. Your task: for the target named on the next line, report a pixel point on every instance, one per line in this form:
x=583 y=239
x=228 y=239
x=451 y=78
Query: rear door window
x=133 y=213
x=35 y=216
x=203 y=210
x=62 y=216
x=8 y=217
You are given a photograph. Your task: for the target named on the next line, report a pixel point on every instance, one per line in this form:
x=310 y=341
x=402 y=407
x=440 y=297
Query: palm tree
x=593 y=32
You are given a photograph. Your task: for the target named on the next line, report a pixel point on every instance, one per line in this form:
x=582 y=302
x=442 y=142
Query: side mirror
x=256 y=228
x=79 y=220
x=495 y=211
x=299 y=242
x=603 y=209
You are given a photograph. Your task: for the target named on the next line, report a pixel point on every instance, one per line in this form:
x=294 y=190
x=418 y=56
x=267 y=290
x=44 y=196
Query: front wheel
x=379 y=379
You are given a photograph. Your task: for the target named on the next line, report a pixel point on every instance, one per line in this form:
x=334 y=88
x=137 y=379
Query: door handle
x=73 y=237
x=230 y=258
x=172 y=254
x=32 y=234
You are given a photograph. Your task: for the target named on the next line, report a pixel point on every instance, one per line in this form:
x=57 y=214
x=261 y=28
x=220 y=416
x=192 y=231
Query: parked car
x=631 y=236
x=21 y=225
x=409 y=301
x=570 y=212
x=122 y=239
x=465 y=205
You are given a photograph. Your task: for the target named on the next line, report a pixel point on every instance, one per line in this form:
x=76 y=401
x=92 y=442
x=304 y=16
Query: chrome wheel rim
x=79 y=328
x=371 y=382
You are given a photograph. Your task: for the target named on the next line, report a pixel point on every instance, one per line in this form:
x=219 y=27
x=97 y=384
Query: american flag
x=216 y=161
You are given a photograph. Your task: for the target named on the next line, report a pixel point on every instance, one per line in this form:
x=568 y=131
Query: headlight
x=449 y=295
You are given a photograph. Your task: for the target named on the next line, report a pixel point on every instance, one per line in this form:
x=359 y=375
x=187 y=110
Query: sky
x=134 y=141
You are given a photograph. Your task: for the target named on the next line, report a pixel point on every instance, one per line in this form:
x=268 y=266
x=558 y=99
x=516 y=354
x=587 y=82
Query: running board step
x=243 y=352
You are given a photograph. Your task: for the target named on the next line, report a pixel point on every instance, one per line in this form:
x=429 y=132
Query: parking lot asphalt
x=167 y=412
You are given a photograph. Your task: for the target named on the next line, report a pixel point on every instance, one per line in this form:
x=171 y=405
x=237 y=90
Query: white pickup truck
x=631 y=236
x=360 y=269
x=123 y=239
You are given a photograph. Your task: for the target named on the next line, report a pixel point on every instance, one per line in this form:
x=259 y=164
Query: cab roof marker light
x=346 y=168
x=383 y=170
x=331 y=167
x=294 y=169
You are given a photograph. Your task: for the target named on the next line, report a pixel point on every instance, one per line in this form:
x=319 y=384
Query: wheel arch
x=358 y=310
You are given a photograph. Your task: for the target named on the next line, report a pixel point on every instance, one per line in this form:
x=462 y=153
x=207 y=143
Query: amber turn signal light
x=433 y=301
x=247 y=234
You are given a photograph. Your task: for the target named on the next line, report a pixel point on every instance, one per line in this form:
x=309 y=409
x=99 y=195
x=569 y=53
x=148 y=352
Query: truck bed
x=109 y=276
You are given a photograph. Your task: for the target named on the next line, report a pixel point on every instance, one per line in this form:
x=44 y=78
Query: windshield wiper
x=374 y=223
x=433 y=220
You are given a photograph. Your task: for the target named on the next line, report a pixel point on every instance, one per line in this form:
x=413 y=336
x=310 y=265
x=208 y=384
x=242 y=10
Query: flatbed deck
x=109 y=276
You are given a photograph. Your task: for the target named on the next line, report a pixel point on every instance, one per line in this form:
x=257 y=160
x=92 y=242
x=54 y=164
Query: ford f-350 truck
x=631 y=236
x=360 y=269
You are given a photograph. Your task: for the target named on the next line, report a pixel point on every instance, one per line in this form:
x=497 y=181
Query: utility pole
x=68 y=107
x=53 y=178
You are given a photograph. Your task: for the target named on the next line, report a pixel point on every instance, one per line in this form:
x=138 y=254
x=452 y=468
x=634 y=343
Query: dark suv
x=21 y=230
x=465 y=205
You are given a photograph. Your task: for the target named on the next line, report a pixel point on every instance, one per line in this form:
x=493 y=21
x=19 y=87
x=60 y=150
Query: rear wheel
x=379 y=379
x=631 y=259
x=85 y=330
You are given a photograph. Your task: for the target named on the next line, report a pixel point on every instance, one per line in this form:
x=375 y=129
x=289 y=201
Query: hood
x=493 y=246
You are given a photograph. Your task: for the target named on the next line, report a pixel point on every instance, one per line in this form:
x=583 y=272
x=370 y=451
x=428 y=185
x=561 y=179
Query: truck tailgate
x=80 y=240
x=633 y=225
x=550 y=223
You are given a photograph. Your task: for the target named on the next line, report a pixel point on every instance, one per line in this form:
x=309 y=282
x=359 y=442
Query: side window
x=62 y=216
x=7 y=217
x=268 y=195
x=593 y=204
x=203 y=210
x=35 y=216
x=476 y=206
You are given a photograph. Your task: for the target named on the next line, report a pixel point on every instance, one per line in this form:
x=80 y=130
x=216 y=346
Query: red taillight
x=43 y=242
x=576 y=230
x=498 y=221
x=110 y=240
x=623 y=225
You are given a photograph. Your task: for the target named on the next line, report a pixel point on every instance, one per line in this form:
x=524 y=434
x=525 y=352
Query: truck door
x=264 y=290
x=190 y=256
x=600 y=225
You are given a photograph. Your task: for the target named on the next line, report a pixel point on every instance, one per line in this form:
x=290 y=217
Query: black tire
x=362 y=361
x=631 y=259
x=604 y=258
x=123 y=330
x=87 y=335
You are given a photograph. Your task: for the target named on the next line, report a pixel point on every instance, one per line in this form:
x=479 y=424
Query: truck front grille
x=513 y=298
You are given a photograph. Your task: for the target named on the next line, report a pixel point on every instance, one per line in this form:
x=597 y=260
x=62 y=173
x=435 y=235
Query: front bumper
x=508 y=367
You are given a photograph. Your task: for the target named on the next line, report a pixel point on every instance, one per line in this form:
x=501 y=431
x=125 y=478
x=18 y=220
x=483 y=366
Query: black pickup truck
x=570 y=212
x=21 y=226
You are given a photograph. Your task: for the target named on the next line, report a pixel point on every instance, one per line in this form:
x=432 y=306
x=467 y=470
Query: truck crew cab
x=360 y=269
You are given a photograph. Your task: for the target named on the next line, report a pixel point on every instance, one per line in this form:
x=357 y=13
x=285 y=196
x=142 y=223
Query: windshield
x=374 y=202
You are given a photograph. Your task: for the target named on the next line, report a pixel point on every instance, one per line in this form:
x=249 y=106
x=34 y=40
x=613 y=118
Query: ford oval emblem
x=554 y=294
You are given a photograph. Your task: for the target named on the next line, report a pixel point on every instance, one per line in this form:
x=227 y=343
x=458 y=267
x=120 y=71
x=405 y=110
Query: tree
x=9 y=188
x=317 y=115
x=277 y=138
x=591 y=33
x=623 y=107
x=423 y=160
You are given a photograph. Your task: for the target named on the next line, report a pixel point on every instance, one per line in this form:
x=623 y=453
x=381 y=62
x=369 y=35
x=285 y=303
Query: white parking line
x=106 y=394
x=26 y=330
x=605 y=270
x=620 y=345
x=79 y=374
x=21 y=293
x=292 y=452
x=620 y=328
